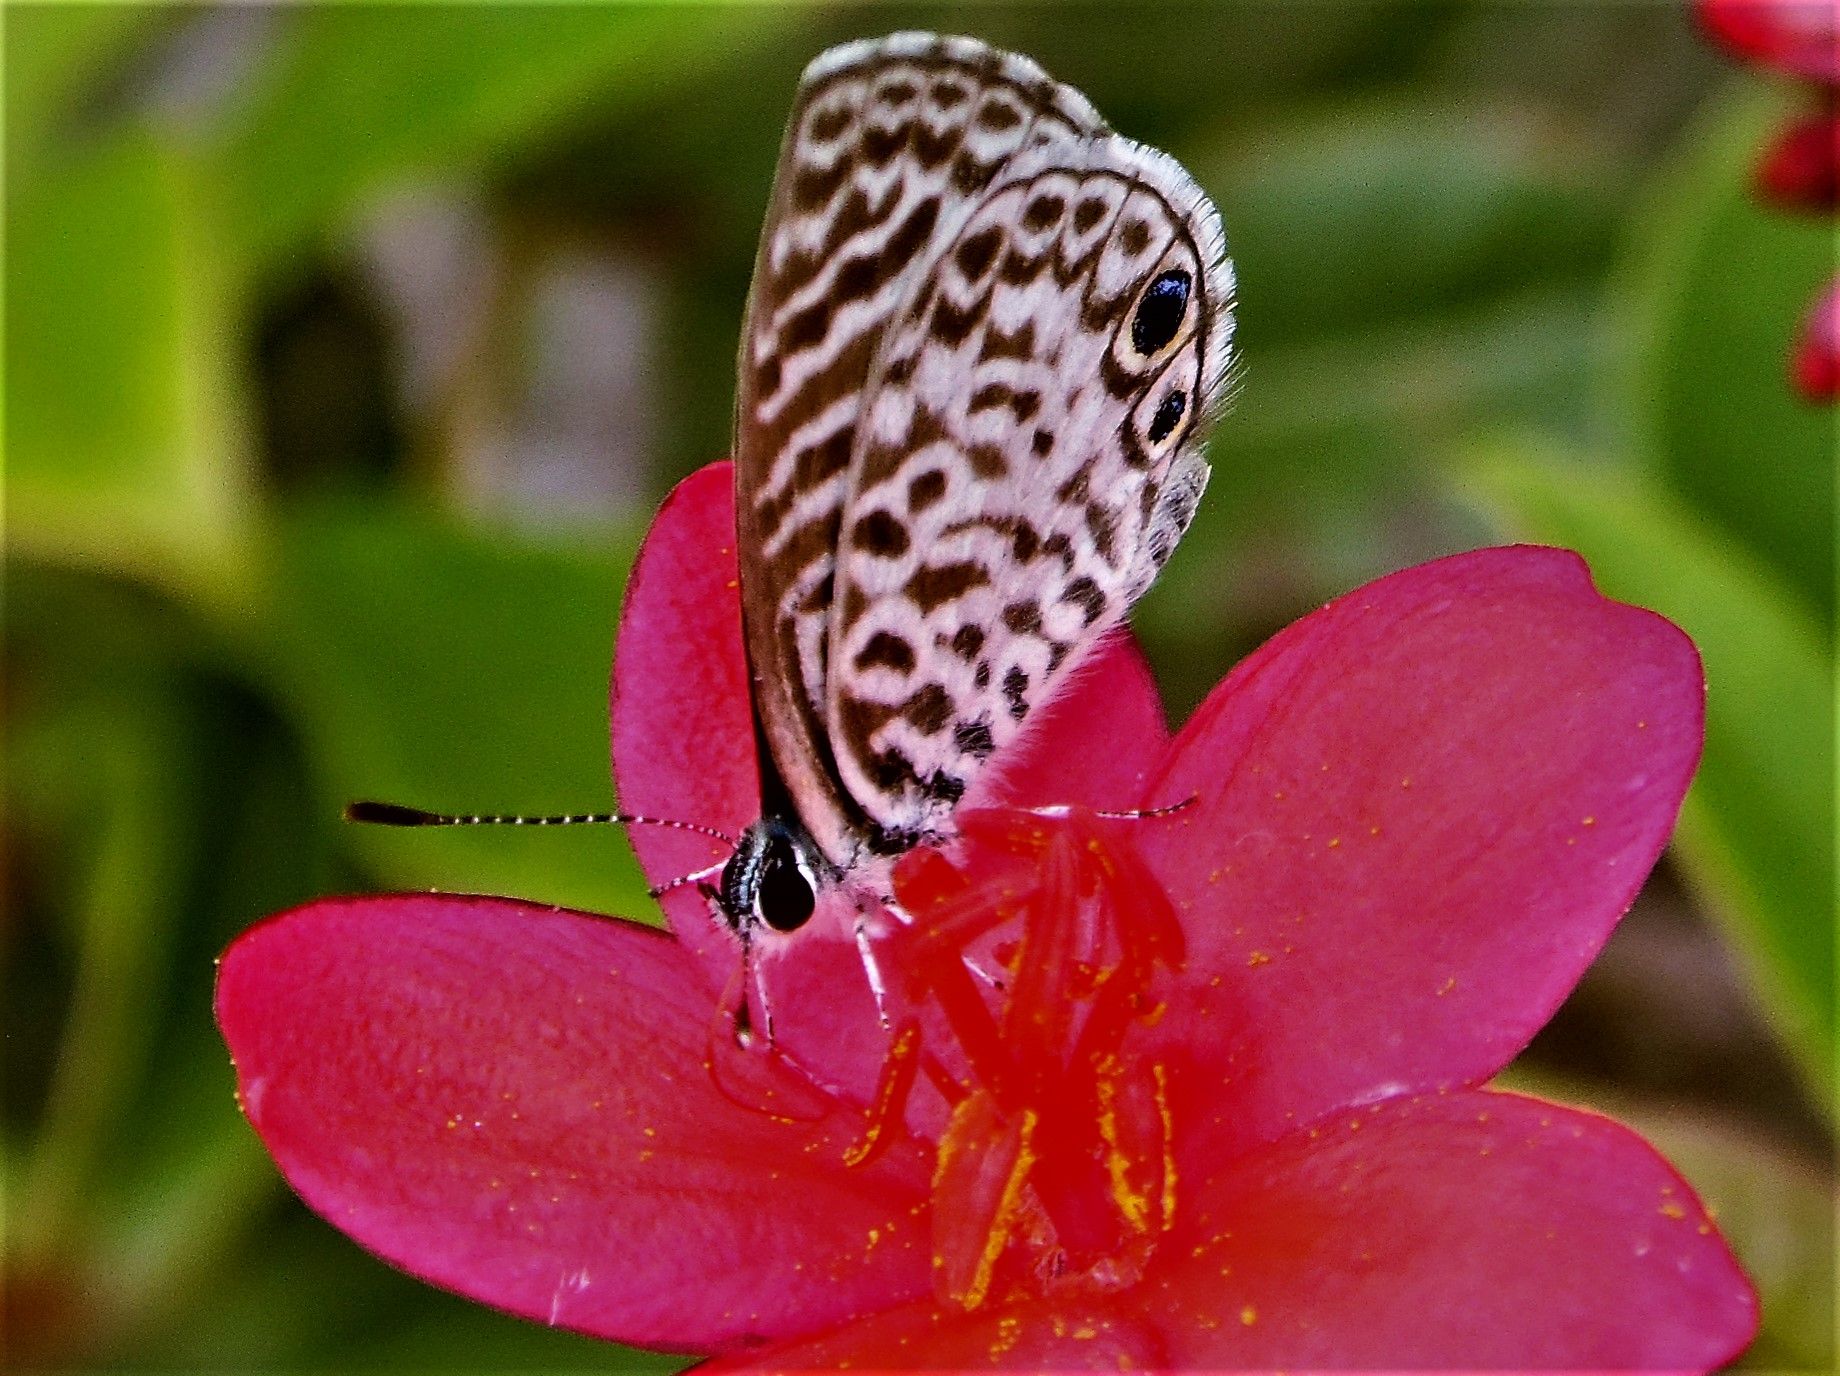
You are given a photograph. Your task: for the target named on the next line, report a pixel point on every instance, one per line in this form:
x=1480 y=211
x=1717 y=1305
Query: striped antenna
x=396 y=815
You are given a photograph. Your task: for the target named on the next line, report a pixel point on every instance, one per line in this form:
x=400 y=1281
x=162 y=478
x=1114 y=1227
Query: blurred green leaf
x=55 y=59
x=1374 y=212
x=182 y=1193
x=102 y=770
x=1328 y=470
x=1718 y=286
x=134 y=782
x=465 y=672
x=1399 y=287
x=359 y=97
x=449 y=1334
x=123 y=448
x=182 y=1214
x=1426 y=380
x=1757 y=832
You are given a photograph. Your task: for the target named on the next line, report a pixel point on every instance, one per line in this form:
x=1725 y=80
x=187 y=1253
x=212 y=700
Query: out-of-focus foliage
x=464 y=682
x=356 y=98
x=122 y=449
x=350 y=347
x=1722 y=519
x=1718 y=281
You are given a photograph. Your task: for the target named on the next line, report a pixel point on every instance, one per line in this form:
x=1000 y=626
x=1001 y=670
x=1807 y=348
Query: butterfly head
x=772 y=879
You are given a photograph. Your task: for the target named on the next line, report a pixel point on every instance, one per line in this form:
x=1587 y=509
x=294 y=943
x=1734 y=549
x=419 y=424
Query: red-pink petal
x=1470 y=1230
x=1040 y=1336
x=514 y=1102
x=683 y=749
x=1801 y=169
x=1801 y=37
x=1421 y=811
x=1467 y=1230
x=683 y=733
x=1817 y=349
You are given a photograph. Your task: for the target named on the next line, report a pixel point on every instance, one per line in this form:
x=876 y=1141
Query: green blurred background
x=350 y=349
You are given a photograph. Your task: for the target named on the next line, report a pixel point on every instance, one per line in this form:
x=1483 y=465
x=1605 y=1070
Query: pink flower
x=1798 y=171
x=1817 y=349
x=1224 y=1109
x=1800 y=37
x=1801 y=169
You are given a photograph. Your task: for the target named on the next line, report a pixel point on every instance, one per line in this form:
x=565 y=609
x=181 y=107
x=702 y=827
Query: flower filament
x=1056 y=1150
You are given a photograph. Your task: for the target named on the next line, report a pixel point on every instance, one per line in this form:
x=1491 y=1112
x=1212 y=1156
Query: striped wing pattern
x=1024 y=468
x=955 y=465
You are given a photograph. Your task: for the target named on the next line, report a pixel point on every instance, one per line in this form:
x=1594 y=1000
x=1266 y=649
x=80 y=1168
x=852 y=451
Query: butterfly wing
x=891 y=146
x=1027 y=454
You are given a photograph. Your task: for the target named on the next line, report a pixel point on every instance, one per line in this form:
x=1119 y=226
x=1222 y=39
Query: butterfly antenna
x=660 y=890
x=397 y=815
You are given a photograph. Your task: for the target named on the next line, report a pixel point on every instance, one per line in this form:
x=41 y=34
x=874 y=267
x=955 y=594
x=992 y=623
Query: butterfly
x=985 y=340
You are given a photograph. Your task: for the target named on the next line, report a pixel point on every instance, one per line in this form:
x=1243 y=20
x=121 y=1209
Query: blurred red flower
x=1218 y=1105
x=1817 y=351
x=1801 y=169
x=1800 y=38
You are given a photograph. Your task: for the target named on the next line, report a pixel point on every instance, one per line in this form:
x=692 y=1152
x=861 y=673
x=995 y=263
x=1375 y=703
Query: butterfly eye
x=1168 y=415
x=1161 y=311
x=784 y=900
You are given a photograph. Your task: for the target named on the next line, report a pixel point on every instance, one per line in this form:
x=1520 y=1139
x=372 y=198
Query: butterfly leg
x=995 y=981
x=760 y=991
x=872 y=969
x=1134 y=814
x=743 y=1015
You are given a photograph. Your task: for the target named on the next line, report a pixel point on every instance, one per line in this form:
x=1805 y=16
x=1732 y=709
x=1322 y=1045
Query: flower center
x=1029 y=964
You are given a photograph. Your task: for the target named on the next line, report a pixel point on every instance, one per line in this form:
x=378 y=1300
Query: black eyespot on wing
x=1168 y=416
x=1159 y=314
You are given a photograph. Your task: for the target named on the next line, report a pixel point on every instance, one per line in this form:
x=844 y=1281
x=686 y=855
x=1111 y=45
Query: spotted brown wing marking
x=1029 y=454
x=890 y=145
